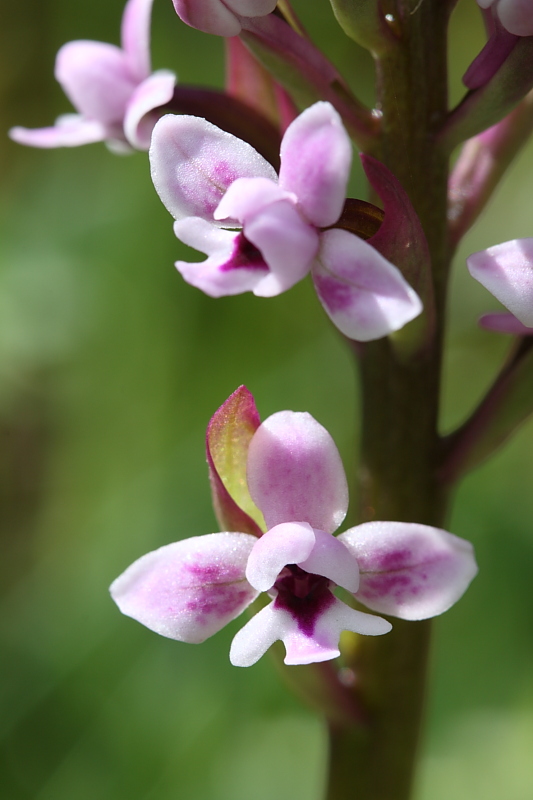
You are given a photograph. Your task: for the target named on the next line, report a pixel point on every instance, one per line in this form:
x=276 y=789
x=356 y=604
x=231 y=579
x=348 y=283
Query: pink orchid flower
x=262 y=233
x=113 y=89
x=221 y=17
x=189 y=590
x=506 y=270
x=516 y=16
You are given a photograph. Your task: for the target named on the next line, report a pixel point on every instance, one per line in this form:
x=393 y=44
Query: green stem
x=401 y=448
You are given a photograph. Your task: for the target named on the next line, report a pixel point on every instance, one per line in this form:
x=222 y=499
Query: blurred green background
x=110 y=367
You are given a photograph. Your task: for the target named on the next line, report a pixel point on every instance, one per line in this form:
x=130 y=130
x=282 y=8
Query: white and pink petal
x=306 y=641
x=506 y=270
x=96 y=78
x=221 y=17
x=70 y=130
x=364 y=295
x=152 y=93
x=288 y=543
x=330 y=558
x=193 y=163
x=409 y=570
x=135 y=36
x=295 y=472
x=188 y=590
x=316 y=156
x=233 y=265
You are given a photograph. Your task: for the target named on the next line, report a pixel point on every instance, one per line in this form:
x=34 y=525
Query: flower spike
x=190 y=589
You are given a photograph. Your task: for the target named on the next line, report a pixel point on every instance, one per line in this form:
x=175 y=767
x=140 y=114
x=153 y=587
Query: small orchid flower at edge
x=113 y=89
x=190 y=589
x=506 y=270
x=264 y=234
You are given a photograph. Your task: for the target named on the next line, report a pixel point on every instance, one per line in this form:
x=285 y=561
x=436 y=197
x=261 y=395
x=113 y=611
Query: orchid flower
x=262 y=233
x=221 y=17
x=190 y=589
x=506 y=270
x=113 y=89
x=516 y=16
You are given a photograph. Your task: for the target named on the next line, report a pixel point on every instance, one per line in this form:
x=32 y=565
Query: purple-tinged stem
x=400 y=450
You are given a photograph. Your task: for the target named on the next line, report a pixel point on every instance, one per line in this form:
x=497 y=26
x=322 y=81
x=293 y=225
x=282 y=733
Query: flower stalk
x=400 y=446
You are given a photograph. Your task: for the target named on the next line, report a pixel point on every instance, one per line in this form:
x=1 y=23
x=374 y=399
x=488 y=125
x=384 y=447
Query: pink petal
x=246 y=197
x=503 y=322
x=409 y=570
x=193 y=163
x=316 y=156
x=288 y=543
x=295 y=472
x=330 y=558
x=272 y=223
x=190 y=589
x=516 y=16
x=287 y=243
x=70 y=130
x=251 y=8
x=221 y=18
x=364 y=295
x=302 y=647
x=506 y=270
x=96 y=78
x=154 y=92
x=210 y=16
x=227 y=440
x=135 y=35
x=229 y=270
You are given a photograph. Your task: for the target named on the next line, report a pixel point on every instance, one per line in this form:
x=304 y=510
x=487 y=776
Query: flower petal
x=364 y=295
x=135 y=36
x=154 y=92
x=287 y=243
x=210 y=16
x=506 y=270
x=190 y=589
x=288 y=543
x=252 y=641
x=516 y=16
x=234 y=266
x=221 y=18
x=193 y=163
x=273 y=224
x=330 y=558
x=295 y=472
x=316 y=156
x=302 y=646
x=503 y=322
x=70 y=130
x=409 y=570
x=96 y=78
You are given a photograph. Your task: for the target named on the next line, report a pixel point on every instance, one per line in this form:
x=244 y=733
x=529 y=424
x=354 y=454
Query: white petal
x=506 y=270
x=70 y=130
x=154 y=92
x=193 y=163
x=330 y=558
x=289 y=543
